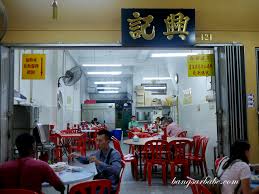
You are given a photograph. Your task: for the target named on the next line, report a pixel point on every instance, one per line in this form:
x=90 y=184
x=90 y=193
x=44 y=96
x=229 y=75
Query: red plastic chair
x=156 y=152
x=200 y=158
x=90 y=187
x=18 y=191
x=56 y=139
x=78 y=145
x=180 y=149
x=123 y=164
x=131 y=147
x=127 y=158
x=182 y=134
x=92 y=139
x=195 y=150
x=198 y=188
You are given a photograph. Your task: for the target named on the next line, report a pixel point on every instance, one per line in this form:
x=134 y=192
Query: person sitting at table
x=172 y=128
x=95 y=122
x=236 y=168
x=133 y=123
x=106 y=159
x=26 y=172
x=158 y=122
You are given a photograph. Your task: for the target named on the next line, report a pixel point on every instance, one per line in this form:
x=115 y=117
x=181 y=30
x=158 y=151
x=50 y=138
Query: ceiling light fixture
x=154 y=55
x=108 y=92
x=156 y=78
x=154 y=87
x=104 y=73
x=107 y=88
x=107 y=82
x=102 y=65
x=54 y=10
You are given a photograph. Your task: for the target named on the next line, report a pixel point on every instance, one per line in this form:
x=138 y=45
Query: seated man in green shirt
x=133 y=122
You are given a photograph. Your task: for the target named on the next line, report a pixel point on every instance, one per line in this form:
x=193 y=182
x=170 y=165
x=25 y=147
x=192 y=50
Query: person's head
x=103 y=139
x=162 y=119
x=133 y=118
x=238 y=150
x=158 y=119
x=95 y=120
x=167 y=121
x=25 y=144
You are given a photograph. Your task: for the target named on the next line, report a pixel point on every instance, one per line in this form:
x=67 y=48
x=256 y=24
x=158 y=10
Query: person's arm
x=115 y=166
x=83 y=160
x=245 y=175
x=137 y=124
x=79 y=158
x=129 y=126
x=245 y=184
x=256 y=190
x=53 y=179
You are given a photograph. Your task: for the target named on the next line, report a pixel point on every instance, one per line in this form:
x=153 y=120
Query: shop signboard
x=200 y=65
x=33 y=66
x=158 y=27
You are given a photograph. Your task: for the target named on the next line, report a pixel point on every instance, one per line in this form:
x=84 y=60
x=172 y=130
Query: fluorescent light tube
x=154 y=87
x=102 y=65
x=104 y=73
x=107 y=82
x=107 y=88
x=157 y=78
x=108 y=92
x=153 y=55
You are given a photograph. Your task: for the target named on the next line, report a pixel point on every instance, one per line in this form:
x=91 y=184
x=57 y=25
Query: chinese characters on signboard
x=33 y=66
x=158 y=27
x=200 y=65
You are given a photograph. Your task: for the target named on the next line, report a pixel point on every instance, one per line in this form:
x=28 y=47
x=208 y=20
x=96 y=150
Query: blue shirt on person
x=111 y=166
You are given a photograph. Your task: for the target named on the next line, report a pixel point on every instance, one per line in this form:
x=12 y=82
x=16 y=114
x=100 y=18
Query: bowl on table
x=58 y=167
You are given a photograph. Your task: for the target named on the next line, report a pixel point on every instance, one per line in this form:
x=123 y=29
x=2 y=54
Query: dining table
x=141 y=142
x=69 y=177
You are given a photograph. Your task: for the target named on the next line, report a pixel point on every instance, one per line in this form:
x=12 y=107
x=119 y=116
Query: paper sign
x=200 y=65
x=187 y=96
x=250 y=101
x=33 y=66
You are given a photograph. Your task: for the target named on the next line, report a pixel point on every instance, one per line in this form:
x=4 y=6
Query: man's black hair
x=95 y=119
x=106 y=133
x=24 y=144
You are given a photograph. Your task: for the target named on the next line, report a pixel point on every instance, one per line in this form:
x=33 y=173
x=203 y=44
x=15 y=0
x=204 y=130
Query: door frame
x=220 y=142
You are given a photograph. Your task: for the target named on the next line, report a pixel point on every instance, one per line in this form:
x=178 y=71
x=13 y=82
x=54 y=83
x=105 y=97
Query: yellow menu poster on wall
x=201 y=65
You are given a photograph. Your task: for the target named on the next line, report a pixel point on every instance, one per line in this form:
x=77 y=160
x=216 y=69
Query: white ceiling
x=125 y=57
